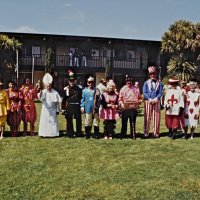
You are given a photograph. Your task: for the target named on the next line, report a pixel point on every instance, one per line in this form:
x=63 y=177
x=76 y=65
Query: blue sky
x=131 y=19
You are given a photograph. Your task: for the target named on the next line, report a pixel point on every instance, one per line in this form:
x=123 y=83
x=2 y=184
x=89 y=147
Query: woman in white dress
x=50 y=99
x=192 y=101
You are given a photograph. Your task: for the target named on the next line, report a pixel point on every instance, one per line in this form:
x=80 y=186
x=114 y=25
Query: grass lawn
x=63 y=168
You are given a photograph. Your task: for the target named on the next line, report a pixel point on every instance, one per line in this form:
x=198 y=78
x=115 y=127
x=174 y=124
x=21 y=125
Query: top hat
x=152 y=70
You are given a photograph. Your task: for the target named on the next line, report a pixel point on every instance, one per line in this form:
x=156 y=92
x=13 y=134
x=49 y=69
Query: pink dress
x=109 y=113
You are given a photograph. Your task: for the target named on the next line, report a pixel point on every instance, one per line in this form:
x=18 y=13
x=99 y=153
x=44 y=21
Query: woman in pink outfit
x=108 y=111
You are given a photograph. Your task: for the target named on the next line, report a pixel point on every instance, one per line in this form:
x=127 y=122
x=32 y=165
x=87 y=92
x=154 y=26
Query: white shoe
x=191 y=137
x=110 y=138
x=105 y=137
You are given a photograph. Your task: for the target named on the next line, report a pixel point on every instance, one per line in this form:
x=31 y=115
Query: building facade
x=86 y=56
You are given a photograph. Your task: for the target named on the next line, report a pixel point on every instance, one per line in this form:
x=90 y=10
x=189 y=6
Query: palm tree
x=8 y=48
x=183 y=70
x=181 y=42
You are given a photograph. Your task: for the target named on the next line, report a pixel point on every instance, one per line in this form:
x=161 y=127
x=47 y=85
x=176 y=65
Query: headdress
x=47 y=79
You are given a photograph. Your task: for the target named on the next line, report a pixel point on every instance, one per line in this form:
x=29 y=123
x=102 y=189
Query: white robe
x=48 y=126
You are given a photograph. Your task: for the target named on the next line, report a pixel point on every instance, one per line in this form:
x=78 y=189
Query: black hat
x=128 y=78
x=71 y=75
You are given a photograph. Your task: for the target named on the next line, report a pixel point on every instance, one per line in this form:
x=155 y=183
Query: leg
x=88 y=131
x=96 y=125
x=25 y=128
x=69 y=125
x=185 y=131
x=133 y=123
x=192 y=132
x=105 y=123
x=147 y=117
x=124 y=124
x=156 y=119
x=111 y=128
x=78 y=124
x=32 y=129
x=1 y=129
x=96 y=132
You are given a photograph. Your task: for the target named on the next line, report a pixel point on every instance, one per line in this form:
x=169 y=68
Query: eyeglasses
x=90 y=82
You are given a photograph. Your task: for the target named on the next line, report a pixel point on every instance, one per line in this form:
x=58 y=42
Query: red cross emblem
x=172 y=100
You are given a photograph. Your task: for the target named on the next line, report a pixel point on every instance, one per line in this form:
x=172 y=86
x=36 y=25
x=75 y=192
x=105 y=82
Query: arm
x=146 y=91
x=83 y=101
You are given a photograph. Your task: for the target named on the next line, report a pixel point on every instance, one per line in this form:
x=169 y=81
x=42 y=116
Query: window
x=36 y=51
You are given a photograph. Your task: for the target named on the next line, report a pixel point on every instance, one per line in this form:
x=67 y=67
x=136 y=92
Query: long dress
x=48 y=126
x=4 y=106
x=28 y=94
x=14 y=116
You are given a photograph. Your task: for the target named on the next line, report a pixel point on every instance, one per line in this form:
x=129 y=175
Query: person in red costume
x=28 y=94
x=14 y=116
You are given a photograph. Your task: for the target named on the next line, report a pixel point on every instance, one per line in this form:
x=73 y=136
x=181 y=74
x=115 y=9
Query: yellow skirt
x=3 y=120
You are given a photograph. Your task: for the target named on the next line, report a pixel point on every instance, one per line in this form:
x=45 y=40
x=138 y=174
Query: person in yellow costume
x=4 y=108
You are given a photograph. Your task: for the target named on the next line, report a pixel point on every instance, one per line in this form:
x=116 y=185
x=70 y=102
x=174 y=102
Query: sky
x=129 y=19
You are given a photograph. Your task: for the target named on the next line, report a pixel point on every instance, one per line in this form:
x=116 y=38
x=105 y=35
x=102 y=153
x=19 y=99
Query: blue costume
x=91 y=117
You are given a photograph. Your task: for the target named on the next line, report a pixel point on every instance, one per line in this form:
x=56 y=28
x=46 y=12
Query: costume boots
x=96 y=132
x=88 y=131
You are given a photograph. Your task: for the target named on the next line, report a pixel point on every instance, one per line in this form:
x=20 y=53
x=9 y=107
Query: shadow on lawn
x=179 y=135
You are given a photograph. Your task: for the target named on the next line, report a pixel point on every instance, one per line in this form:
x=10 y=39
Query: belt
x=74 y=103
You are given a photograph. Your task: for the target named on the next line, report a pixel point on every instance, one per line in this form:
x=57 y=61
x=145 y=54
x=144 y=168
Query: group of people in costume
x=16 y=106
x=101 y=102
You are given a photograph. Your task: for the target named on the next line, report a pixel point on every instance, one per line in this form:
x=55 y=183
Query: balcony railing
x=62 y=61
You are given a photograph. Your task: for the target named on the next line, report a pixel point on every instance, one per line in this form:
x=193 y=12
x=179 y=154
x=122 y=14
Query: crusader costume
x=174 y=104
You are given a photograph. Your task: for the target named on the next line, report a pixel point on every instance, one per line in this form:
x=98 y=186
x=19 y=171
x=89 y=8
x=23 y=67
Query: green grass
x=63 y=168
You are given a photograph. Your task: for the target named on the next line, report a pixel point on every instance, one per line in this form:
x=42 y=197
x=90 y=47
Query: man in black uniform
x=71 y=106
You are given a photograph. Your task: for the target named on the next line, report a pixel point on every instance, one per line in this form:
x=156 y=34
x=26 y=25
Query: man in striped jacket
x=152 y=91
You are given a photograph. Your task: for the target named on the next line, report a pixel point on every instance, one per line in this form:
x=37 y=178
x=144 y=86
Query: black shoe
x=96 y=136
x=185 y=137
x=145 y=136
x=133 y=136
x=122 y=136
x=173 y=136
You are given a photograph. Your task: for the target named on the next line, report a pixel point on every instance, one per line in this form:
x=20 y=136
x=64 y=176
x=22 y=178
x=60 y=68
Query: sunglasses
x=90 y=82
